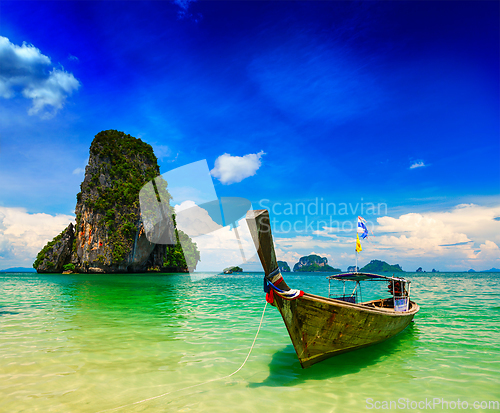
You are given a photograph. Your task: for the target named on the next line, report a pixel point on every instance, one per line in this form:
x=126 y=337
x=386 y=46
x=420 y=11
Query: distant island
x=314 y=263
x=283 y=266
x=109 y=235
x=492 y=270
x=18 y=269
x=381 y=266
x=230 y=270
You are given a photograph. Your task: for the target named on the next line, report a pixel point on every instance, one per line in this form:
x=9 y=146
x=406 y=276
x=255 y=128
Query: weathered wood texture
x=260 y=228
x=321 y=328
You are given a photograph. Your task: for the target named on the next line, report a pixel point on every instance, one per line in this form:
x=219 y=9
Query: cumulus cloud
x=452 y=236
x=23 y=235
x=417 y=164
x=231 y=169
x=194 y=220
x=419 y=232
x=489 y=251
x=25 y=70
x=225 y=247
x=463 y=237
x=290 y=257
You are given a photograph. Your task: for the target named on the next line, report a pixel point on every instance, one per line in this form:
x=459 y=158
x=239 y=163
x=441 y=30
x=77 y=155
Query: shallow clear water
x=87 y=343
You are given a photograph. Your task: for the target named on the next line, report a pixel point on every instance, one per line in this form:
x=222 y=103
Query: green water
x=87 y=343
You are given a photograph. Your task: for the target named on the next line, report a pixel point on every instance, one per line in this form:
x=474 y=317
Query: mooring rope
x=199 y=384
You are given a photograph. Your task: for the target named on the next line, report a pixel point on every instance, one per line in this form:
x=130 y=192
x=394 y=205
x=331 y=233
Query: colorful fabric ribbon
x=270 y=287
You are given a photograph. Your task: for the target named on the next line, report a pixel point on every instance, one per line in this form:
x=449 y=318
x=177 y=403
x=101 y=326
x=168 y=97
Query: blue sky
x=384 y=103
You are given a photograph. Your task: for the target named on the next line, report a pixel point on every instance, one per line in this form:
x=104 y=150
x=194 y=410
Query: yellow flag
x=358 y=244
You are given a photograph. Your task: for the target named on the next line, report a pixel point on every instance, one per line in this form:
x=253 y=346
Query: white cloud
x=450 y=237
x=327 y=232
x=26 y=70
x=322 y=254
x=194 y=220
x=417 y=164
x=231 y=169
x=419 y=233
x=23 y=235
x=221 y=248
x=81 y=171
x=290 y=257
x=478 y=222
x=466 y=236
x=490 y=252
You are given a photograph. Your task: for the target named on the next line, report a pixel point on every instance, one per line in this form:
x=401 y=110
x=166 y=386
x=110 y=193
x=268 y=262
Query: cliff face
x=109 y=235
x=283 y=266
x=381 y=266
x=56 y=253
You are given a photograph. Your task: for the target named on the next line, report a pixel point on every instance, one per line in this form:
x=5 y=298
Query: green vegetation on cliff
x=48 y=247
x=314 y=263
x=381 y=266
x=317 y=268
x=56 y=253
x=183 y=254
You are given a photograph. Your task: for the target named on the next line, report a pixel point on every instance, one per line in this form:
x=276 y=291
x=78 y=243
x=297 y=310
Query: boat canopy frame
x=401 y=298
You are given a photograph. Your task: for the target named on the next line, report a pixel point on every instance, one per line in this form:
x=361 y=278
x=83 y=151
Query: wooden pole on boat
x=260 y=228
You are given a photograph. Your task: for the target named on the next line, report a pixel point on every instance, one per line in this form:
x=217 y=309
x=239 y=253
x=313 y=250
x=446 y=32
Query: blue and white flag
x=362 y=230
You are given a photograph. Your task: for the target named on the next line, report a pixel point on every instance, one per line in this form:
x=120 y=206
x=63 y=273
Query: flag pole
x=356 y=268
x=356 y=249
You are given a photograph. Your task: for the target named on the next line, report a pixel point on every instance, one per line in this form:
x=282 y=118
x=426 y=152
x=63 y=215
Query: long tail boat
x=322 y=327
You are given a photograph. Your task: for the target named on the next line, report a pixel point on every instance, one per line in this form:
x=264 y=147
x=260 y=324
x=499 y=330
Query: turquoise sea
x=92 y=343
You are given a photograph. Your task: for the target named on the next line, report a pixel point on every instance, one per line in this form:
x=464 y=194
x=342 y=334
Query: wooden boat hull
x=320 y=327
x=323 y=327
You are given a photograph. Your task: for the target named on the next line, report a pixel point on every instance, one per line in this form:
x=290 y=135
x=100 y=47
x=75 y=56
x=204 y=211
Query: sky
x=319 y=111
